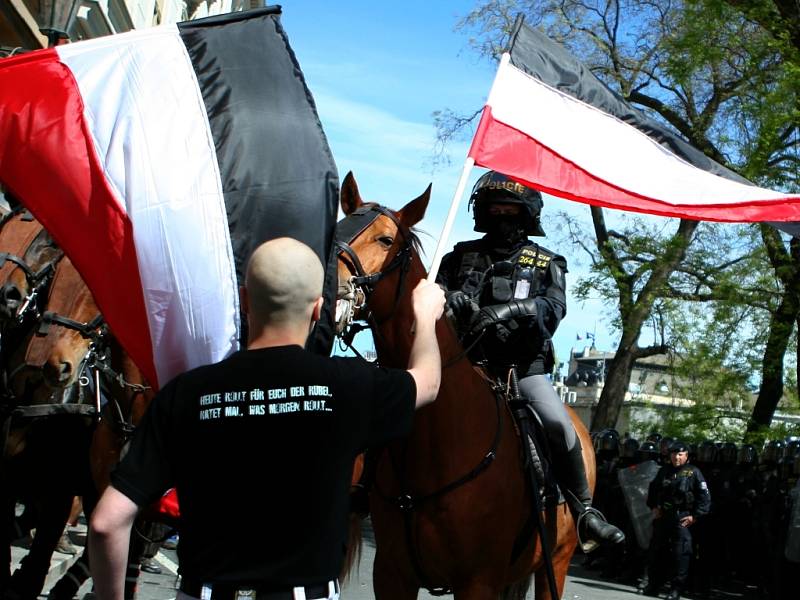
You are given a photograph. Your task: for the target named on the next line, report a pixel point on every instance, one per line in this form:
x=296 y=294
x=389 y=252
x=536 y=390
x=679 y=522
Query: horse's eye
x=386 y=240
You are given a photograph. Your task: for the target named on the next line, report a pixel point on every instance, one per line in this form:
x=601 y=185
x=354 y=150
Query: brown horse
x=460 y=532
x=28 y=257
x=30 y=443
x=71 y=357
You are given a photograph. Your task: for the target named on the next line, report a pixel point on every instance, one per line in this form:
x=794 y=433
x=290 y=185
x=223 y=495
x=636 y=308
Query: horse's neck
x=395 y=338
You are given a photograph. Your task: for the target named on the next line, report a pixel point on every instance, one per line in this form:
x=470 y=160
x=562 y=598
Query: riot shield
x=792 y=549
x=634 y=481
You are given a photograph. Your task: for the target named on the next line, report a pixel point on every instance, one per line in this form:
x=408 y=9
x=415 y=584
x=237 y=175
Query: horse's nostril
x=59 y=373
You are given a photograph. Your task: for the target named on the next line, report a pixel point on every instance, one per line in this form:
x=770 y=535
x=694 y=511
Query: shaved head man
x=274 y=412
x=283 y=284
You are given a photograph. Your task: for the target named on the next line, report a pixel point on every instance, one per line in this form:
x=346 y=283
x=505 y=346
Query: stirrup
x=589 y=545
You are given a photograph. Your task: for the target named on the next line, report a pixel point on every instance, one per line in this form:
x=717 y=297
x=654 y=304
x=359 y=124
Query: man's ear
x=317 y=312
x=244 y=301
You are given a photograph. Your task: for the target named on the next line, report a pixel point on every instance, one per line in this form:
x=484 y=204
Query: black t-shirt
x=260 y=448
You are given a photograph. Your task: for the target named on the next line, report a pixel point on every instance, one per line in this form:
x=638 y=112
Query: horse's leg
x=7 y=504
x=388 y=582
x=477 y=589
x=561 y=560
x=28 y=580
x=78 y=573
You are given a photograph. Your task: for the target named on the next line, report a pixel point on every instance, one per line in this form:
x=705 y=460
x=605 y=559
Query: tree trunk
x=614 y=388
x=771 y=390
x=634 y=311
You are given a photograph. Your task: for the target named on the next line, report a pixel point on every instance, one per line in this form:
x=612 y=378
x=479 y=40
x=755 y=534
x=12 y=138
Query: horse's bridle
x=361 y=284
x=96 y=363
x=37 y=280
x=94 y=371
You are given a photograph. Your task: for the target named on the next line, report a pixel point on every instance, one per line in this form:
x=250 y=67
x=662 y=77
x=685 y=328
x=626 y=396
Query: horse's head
x=28 y=256
x=374 y=243
x=69 y=337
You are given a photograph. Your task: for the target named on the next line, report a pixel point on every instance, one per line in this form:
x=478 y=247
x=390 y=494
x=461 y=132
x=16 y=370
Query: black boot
x=592 y=525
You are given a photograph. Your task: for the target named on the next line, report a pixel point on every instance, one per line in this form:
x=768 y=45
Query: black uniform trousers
x=670 y=551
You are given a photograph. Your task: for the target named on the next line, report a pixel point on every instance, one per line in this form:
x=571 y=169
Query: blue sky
x=377 y=72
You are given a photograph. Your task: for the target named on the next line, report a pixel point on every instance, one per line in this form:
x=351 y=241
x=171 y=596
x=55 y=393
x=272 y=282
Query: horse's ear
x=350 y=199
x=412 y=213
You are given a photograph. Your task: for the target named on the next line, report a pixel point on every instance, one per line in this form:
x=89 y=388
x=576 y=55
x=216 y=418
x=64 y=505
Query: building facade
x=21 y=20
x=652 y=391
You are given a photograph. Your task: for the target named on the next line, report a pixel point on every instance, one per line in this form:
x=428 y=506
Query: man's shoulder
x=696 y=470
x=545 y=253
x=465 y=247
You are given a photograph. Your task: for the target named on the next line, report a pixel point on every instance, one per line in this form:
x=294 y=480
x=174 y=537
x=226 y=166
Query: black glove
x=500 y=313
x=460 y=304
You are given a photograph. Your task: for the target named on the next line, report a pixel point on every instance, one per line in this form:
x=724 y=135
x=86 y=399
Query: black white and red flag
x=158 y=159
x=551 y=124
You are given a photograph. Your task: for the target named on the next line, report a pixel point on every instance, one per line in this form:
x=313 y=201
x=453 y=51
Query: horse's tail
x=353 y=555
x=518 y=590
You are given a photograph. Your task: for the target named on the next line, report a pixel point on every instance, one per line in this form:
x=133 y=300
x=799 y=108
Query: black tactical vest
x=490 y=278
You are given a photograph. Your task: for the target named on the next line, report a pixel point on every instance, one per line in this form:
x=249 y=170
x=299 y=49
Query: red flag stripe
x=46 y=138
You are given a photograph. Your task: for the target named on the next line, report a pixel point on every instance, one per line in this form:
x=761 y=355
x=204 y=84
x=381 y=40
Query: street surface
x=582 y=584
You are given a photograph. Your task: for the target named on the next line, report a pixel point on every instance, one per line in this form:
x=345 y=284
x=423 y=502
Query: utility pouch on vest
x=502 y=273
x=473 y=271
x=501 y=290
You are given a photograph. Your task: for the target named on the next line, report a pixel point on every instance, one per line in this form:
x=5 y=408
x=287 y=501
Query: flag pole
x=459 y=193
x=451 y=217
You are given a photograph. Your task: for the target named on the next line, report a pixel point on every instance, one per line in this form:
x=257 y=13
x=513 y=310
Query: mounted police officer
x=507 y=296
x=679 y=497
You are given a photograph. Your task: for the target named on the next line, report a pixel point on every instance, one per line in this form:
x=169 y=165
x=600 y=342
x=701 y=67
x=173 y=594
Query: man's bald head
x=284 y=279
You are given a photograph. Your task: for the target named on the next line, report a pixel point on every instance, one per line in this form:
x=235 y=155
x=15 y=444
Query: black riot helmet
x=654 y=437
x=792 y=446
x=647 y=451
x=774 y=451
x=608 y=443
x=706 y=452
x=494 y=187
x=629 y=448
x=786 y=468
x=727 y=453
x=748 y=455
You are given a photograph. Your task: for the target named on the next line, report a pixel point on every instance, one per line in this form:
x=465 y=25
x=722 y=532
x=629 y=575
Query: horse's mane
x=412 y=237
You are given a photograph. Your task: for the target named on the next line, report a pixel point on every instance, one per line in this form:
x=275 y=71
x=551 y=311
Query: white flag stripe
x=163 y=169
x=608 y=148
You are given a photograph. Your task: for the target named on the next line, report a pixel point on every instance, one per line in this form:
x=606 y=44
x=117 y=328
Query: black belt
x=229 y=591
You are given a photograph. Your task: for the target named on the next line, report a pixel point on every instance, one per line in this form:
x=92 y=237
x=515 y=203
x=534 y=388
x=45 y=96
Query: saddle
x=535 y=450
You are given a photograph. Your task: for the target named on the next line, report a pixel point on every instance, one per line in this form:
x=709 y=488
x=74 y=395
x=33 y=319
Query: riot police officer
x=507 y=295
x=679 y=496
